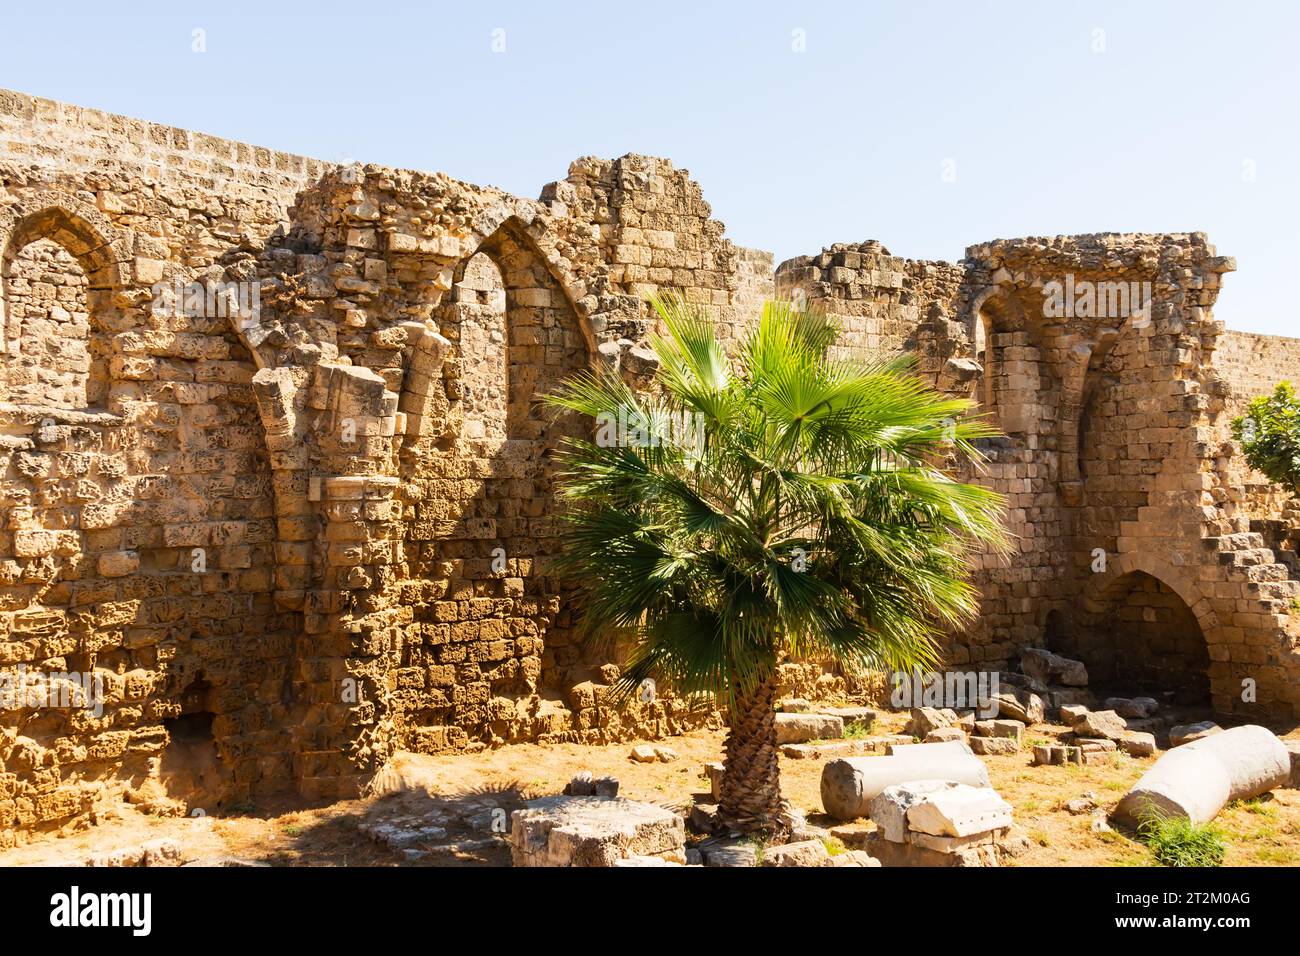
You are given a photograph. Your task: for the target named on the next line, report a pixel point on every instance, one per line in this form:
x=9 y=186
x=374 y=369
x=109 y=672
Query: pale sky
x=804 y=124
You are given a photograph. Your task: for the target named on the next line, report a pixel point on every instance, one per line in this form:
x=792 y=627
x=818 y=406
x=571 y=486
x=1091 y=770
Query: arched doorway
x=1145 y=639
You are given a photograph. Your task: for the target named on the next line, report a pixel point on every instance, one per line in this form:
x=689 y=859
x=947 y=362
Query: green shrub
x=1176 y=841
x=1269 y=434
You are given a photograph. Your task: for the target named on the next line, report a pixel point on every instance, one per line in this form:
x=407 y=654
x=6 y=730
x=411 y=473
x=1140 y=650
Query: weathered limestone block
x=801 y=728
x=945 y=734
x=1196 y=780
x=999 y=728
x=888 y=809
x=863 y=716
x=834 y=748
x=992 y=746
x=715 y=771
x=910 y=854
x=803 y=853
x=925 y=719
x=730 y=853
x=852 y=858
x=1293 y=748
x=635 y=861
x=1020 y=704
x=960 y=811
x=1072 y=712
x=593 y=831
x=1100 y=723
x=1138 y=743
x=1052 y=668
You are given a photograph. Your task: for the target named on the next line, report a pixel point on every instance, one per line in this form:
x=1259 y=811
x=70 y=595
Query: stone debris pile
x=939 y=823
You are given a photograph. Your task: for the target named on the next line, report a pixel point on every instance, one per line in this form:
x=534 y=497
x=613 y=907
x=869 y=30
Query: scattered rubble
x=825 y=749
x=650 y=753
x=153 y=853
x=1138 y=707
x=1051 y=668
x=1084 y=803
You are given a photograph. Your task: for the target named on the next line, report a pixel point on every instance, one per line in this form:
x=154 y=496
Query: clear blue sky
x=844 y=141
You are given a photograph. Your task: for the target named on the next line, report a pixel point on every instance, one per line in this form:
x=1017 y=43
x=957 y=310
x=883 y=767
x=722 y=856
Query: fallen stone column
x=849 y=783
x=1195 y=781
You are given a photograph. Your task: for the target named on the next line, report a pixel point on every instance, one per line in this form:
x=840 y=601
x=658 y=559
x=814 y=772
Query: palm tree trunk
x=751 y=781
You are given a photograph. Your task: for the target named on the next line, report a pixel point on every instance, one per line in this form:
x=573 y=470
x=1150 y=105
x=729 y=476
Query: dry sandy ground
x=1260 y=833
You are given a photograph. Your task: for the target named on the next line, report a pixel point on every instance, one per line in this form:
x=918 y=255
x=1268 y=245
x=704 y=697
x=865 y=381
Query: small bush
x=857 y=730
x=1175 y=841
x=834 y=846
x=1269 y=434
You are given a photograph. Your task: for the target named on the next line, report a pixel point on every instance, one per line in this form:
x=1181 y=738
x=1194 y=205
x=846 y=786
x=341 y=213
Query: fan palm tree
x=786 y=503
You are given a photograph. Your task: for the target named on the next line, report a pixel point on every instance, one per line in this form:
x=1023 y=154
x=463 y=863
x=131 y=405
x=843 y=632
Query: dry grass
x=1264 y=832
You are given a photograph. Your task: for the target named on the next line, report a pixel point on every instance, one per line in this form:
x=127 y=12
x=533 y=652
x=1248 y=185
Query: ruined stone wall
x=294 y=538
x=1116 y=460
x=304 y=520
x=129 y=438
x=878 y=300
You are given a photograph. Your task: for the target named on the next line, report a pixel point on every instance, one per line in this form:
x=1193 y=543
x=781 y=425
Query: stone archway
x=507 y=333
x=1146 y=629
x=59 y=273
x=1007 y=389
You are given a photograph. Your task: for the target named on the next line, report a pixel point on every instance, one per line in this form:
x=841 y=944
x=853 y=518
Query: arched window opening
x=479 y=301
x=53 y=354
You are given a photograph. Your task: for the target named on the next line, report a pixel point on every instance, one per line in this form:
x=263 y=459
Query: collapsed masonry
x=295 y=531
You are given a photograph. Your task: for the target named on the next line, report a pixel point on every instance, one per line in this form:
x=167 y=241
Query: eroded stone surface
x=593 y=831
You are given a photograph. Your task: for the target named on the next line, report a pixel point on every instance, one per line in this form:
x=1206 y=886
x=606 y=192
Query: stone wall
x=273 y=472
x=1115 y=460
x=131 y=452
x=304 y=522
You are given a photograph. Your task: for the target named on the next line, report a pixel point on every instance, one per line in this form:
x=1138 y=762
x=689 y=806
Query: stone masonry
x=273 y=477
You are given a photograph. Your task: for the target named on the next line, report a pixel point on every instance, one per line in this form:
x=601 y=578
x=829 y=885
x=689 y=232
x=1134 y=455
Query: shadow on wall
x=484 y=531
x=1145 y=640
